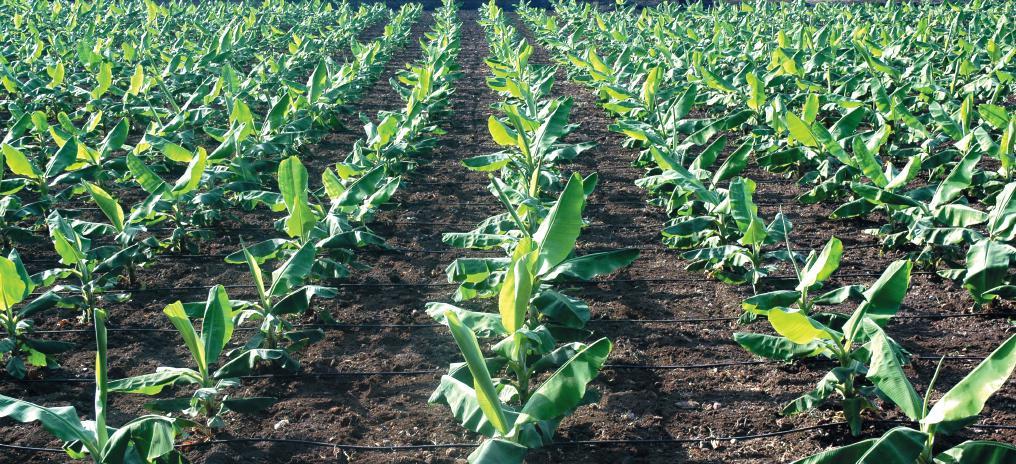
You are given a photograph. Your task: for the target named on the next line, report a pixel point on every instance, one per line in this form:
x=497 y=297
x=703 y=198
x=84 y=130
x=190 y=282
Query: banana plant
x=958 y=408
x=165 y=202
x=210 y=400
x=724 y=231
x=329 y=230
x=148 y=439
x=817 y=268
x=985 y=275
x=95 y=269
x=19 y=346
x=513 y=412
x=42 y=180
x=846 y=340
x=533 y=147
x=285 y=294
x=483 y=277
x=125 y=234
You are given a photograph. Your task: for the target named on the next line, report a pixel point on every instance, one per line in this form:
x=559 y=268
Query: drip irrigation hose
x=415 y=326
x=426 y=372
x=453 y=284
x=560 y=444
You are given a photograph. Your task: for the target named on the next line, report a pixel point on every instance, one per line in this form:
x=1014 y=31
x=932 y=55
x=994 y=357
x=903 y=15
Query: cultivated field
x=331 y=232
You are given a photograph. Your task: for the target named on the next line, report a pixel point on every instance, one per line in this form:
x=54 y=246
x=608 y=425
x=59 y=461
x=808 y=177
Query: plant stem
x=101 y=379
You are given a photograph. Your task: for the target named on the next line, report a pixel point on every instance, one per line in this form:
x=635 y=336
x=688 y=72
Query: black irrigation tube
x=559 y=444
x=426 y=372
x=453 y=284
x=416 y=326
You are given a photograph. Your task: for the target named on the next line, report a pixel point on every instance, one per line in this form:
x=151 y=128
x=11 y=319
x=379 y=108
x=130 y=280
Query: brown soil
x=661 y=403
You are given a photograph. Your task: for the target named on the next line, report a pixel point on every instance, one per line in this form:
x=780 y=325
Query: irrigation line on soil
x=415 y=326
x=560 y=444
x=447 y=284
x=426 y=372
x=395 y=251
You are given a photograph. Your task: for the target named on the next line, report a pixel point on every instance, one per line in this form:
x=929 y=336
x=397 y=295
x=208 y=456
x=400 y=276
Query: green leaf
x=900 y=445
x=958 y=180
x=849 y=454
x=152 y=384
x=823 y=266
x=776 y=348
x=19 y=164
x=292 y=178
x=964 y=402
x=742 y=207
x=177 y=153
x=987 y=267
x=868 y=163
x=978 y=452
x=735 y=163
x=586 y=267
x=886 y=372
x=484 y=325
x=63 y=158
x=1002 y=218
x=150 y=437
x=13 y=286
x=501 y=133
x=557 y=233
x=217 y=323
x=565 y=388
x=246 y=362
x=715 y=81
x=62 y=422
x=107 y=204
x=498 y=451
x=178 y=317
x=137 y=80
x=191 y=178
x=517 y=289
x=144 y=176
x=885 y=296
x=797 y=327
x=756 y=92
x=294 y=271
x=317 y=82
x=801 y=131
x=486 y=395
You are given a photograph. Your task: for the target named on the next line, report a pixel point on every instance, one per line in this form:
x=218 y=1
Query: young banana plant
x=958 y=408
x=43 y=181
x=309 y=223
x=94 y=268
x=19 y=346
x=515 y=414
x=125 y=233
x=211 y=400
x=729 y=234
x=165 y=202
x=285 y=294
x=528 y=164
x=847 y=340
x=483 y=277
x=985 y=275
x=817 y=268
x=147 y=439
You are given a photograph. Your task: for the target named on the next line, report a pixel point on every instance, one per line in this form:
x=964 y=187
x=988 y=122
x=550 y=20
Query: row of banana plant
x=539 y=367
x=838 y=139
x=869 y=362
x=310 y=226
